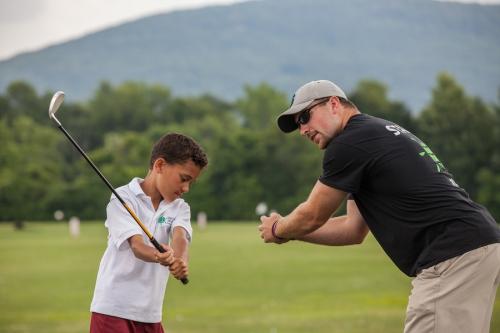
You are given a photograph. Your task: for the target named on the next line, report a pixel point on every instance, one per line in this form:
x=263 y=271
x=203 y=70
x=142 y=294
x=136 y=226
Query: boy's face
x=173 y=180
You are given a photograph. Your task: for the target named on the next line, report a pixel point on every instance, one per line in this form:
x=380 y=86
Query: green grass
x=237 y=284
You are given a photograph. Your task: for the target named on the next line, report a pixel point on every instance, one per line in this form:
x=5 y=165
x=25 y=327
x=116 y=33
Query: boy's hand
x=179 y=268
x=166 y=258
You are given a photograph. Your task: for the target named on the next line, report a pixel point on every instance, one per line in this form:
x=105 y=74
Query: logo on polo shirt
x=165 y=220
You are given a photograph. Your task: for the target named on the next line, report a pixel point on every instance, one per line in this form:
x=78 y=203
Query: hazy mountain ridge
x=219 y=49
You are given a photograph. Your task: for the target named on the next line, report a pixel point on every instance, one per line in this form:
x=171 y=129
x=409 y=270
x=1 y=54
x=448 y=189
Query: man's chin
x=322 y=144
x=319 y=142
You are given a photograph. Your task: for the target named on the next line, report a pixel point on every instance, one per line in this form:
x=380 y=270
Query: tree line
x=250 y=160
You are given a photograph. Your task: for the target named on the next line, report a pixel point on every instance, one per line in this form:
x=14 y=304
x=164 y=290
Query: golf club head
x=55 y=103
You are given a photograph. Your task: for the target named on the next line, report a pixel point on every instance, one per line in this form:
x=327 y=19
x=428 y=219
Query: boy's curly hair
x=177 y=148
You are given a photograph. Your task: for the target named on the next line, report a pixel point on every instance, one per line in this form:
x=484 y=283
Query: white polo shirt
x=126 y=286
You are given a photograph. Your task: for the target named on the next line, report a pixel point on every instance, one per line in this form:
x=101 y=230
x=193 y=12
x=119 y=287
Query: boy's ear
x=158 y=164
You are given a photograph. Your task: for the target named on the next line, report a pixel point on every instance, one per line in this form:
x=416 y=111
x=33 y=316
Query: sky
x=30 y=25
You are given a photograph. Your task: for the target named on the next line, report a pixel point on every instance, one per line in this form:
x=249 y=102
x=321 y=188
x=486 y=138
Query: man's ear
x=334 y=101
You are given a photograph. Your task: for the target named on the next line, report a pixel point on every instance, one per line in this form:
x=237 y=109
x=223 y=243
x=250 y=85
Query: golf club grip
x=184 y=280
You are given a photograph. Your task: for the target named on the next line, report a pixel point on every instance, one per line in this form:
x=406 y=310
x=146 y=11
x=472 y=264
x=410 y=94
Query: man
x=400 y=191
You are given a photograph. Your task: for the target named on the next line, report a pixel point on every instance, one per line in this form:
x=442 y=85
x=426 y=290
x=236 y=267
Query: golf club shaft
x=131 y=212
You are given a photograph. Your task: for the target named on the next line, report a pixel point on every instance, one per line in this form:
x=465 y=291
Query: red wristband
x=273 y=231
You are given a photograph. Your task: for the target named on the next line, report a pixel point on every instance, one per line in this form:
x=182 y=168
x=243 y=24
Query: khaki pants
x=456 y=295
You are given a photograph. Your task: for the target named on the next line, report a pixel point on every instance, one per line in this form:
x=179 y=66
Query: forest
x=250 y=160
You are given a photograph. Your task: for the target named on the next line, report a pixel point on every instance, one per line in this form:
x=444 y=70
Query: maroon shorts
x=101 y=323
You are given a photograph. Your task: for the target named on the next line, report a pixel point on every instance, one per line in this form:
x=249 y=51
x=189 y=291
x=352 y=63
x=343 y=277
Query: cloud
x=66 y=20
x=19 y=11
x=29 y=25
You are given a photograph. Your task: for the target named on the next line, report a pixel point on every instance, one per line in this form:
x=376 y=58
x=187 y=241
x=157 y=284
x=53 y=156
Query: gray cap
x=303 y=98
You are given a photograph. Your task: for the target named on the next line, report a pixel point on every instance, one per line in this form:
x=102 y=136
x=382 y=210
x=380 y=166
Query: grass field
x=237 y=284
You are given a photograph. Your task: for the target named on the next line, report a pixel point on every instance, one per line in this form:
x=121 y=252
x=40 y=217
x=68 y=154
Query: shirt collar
x=135 y=186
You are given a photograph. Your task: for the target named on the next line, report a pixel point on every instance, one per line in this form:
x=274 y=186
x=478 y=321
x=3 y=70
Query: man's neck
x=349 y=113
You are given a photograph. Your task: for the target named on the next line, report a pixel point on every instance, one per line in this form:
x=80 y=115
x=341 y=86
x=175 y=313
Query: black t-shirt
x=410 y=202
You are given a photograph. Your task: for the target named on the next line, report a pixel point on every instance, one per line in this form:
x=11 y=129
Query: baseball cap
x=303 y=98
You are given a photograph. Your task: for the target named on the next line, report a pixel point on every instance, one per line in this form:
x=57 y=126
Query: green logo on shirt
x=162 y=219
x=427 y=151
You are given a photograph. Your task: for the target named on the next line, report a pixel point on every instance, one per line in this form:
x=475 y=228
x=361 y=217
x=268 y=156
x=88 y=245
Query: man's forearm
x=330 y=233
x=322 y=202
x=337 y=231
x=298 y=223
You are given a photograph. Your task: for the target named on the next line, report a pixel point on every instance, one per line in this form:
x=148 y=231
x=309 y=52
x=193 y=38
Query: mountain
x=403 y=43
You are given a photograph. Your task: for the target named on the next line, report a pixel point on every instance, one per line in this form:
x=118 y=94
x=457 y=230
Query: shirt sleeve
x=184 y=220
x=121 y=226
x=343 y=167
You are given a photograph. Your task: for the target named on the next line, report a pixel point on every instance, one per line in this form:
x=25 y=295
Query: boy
x=133 y=275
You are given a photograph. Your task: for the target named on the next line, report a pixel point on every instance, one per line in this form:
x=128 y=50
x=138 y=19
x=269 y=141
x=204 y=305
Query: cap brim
x=286 y=121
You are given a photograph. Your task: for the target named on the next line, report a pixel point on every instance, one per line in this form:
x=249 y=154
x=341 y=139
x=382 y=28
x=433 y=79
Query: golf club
x=55 y=103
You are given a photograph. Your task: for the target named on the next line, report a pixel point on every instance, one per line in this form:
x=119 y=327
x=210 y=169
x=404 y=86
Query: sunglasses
x=305 y=115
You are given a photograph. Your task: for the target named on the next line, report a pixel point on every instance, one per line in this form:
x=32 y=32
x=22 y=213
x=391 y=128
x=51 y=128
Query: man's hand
x=266 y=226
x=166 y=258
x=179 y=268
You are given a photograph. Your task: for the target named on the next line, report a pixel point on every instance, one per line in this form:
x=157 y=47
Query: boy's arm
x=150 y=254
x=180 y=243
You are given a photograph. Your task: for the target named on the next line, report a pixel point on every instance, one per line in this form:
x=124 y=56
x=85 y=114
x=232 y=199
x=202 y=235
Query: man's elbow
x=360 y=235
